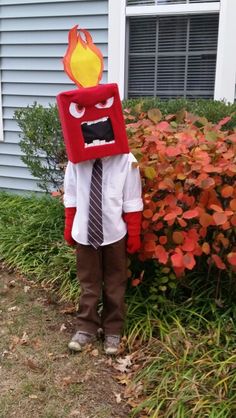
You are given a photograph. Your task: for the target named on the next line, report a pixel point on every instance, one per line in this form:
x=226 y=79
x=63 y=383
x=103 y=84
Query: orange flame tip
x=83 y=61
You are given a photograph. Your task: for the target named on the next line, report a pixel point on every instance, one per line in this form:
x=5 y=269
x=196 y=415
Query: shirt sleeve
x=70 y=186
x=132 y=197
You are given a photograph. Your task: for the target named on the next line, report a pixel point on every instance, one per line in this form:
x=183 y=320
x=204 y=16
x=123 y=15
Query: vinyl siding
x=33 y=40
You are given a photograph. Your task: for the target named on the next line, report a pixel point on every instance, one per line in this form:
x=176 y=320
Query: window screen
x=158 y=2
x=172 y=56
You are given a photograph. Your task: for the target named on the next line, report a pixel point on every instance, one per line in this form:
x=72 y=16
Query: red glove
x=69 y=218
x=133 y=221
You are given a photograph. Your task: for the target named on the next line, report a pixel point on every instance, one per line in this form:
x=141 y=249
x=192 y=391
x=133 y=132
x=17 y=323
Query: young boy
x=102 y=197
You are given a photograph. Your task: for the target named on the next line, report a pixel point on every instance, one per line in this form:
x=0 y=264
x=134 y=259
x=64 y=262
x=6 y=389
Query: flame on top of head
x=83 y=61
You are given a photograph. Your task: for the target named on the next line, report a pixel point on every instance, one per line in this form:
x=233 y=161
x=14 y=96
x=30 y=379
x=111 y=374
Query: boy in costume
x=103 y=204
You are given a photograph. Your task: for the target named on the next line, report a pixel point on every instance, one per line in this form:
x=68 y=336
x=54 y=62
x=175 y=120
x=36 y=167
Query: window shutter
x=140 y=2
x=142 y=59
x=172 y=56
x=156 y=2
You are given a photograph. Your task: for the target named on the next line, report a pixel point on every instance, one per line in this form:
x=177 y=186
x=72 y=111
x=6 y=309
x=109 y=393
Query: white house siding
x=33 y=40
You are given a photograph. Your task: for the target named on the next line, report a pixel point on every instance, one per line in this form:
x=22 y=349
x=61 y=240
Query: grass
x=183 y=343
x=187 y=365
x=31 y=241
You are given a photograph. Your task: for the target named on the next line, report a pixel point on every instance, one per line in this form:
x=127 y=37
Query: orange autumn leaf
x=225 y=226
x=170 y=216
x=220 y=218
x=216 y=208
x=232 y=204
x=206 y=248
x=189 y=261
x=207 y=183
x=182 y=222
x=188 y=245
x=189 y=214
x=206 y=220
x=155 y=217
x=163 y=126
x=231 y=257
x=145 y=225
x=161 y=254
x=233 y=220
x=177 y=237
x=162 y=239
x=218 y=262
x=147 y=213
x=135 y=282
x=227 y=191
x=150 y=236
x=177 y=260
x=179 y=271
x=172 y=151
x=149 y=246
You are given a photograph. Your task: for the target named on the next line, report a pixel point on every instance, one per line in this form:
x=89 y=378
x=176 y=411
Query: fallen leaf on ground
x=63 y=327
x=36 y=343
x=32 y=364
x=94 y=352
x=13 y=308
x=75 y=413
x=24 y=339
x=12 y=283
x=118 y=397
x=123 y=364
x=68 y=310
x=70 y=380
x=14 y=341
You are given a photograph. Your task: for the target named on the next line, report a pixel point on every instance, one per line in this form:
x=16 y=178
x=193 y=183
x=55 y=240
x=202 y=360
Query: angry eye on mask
x=95 y=132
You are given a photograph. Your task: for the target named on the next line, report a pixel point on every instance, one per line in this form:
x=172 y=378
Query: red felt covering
x=133 y=221
x=69 y=218
x=87 y=98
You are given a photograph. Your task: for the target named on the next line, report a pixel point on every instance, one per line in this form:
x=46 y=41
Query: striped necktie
x=95 y=230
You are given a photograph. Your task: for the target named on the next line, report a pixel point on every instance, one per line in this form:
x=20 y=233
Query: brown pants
x=102 y=272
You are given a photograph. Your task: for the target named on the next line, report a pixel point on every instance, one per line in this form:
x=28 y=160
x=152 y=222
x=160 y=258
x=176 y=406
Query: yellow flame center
x=85 y=65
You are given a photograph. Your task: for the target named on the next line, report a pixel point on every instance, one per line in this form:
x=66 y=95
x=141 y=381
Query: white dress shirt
x=121 y=185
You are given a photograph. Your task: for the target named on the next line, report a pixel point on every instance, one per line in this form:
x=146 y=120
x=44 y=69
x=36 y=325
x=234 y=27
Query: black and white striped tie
x=95 y=229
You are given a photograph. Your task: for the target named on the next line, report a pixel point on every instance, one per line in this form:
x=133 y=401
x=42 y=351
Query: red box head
x=92 y=122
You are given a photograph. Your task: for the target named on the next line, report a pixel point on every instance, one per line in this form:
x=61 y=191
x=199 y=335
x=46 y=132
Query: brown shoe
x=80 y=339
x=112 y=344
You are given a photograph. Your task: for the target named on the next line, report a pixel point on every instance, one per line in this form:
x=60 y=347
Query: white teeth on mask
x=91 y=122
x=97 y=142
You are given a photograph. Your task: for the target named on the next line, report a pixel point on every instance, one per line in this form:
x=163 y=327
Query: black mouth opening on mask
x=101 y=130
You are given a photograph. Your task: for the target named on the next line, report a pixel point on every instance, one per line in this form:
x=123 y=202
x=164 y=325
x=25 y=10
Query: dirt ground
x=39 y=377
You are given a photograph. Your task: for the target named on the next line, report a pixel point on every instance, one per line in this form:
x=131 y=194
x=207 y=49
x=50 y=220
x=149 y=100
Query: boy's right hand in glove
x=69 y=218
x=133 y=221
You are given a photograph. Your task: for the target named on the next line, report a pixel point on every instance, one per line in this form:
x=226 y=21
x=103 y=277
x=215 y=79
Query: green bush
x=43 y=146
x=212 y=110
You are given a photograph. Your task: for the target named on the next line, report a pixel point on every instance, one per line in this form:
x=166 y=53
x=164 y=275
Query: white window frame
x=226 y=56
x=226 y=53
x=1 y=115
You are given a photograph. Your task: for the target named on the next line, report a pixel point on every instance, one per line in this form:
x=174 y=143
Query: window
x=172 y=56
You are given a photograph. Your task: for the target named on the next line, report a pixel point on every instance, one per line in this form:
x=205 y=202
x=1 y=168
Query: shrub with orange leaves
x=188 y=168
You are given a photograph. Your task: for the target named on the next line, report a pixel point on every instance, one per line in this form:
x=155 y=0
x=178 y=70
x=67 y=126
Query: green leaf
x=211 y=136
x=150 y=173
x=154 y=115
